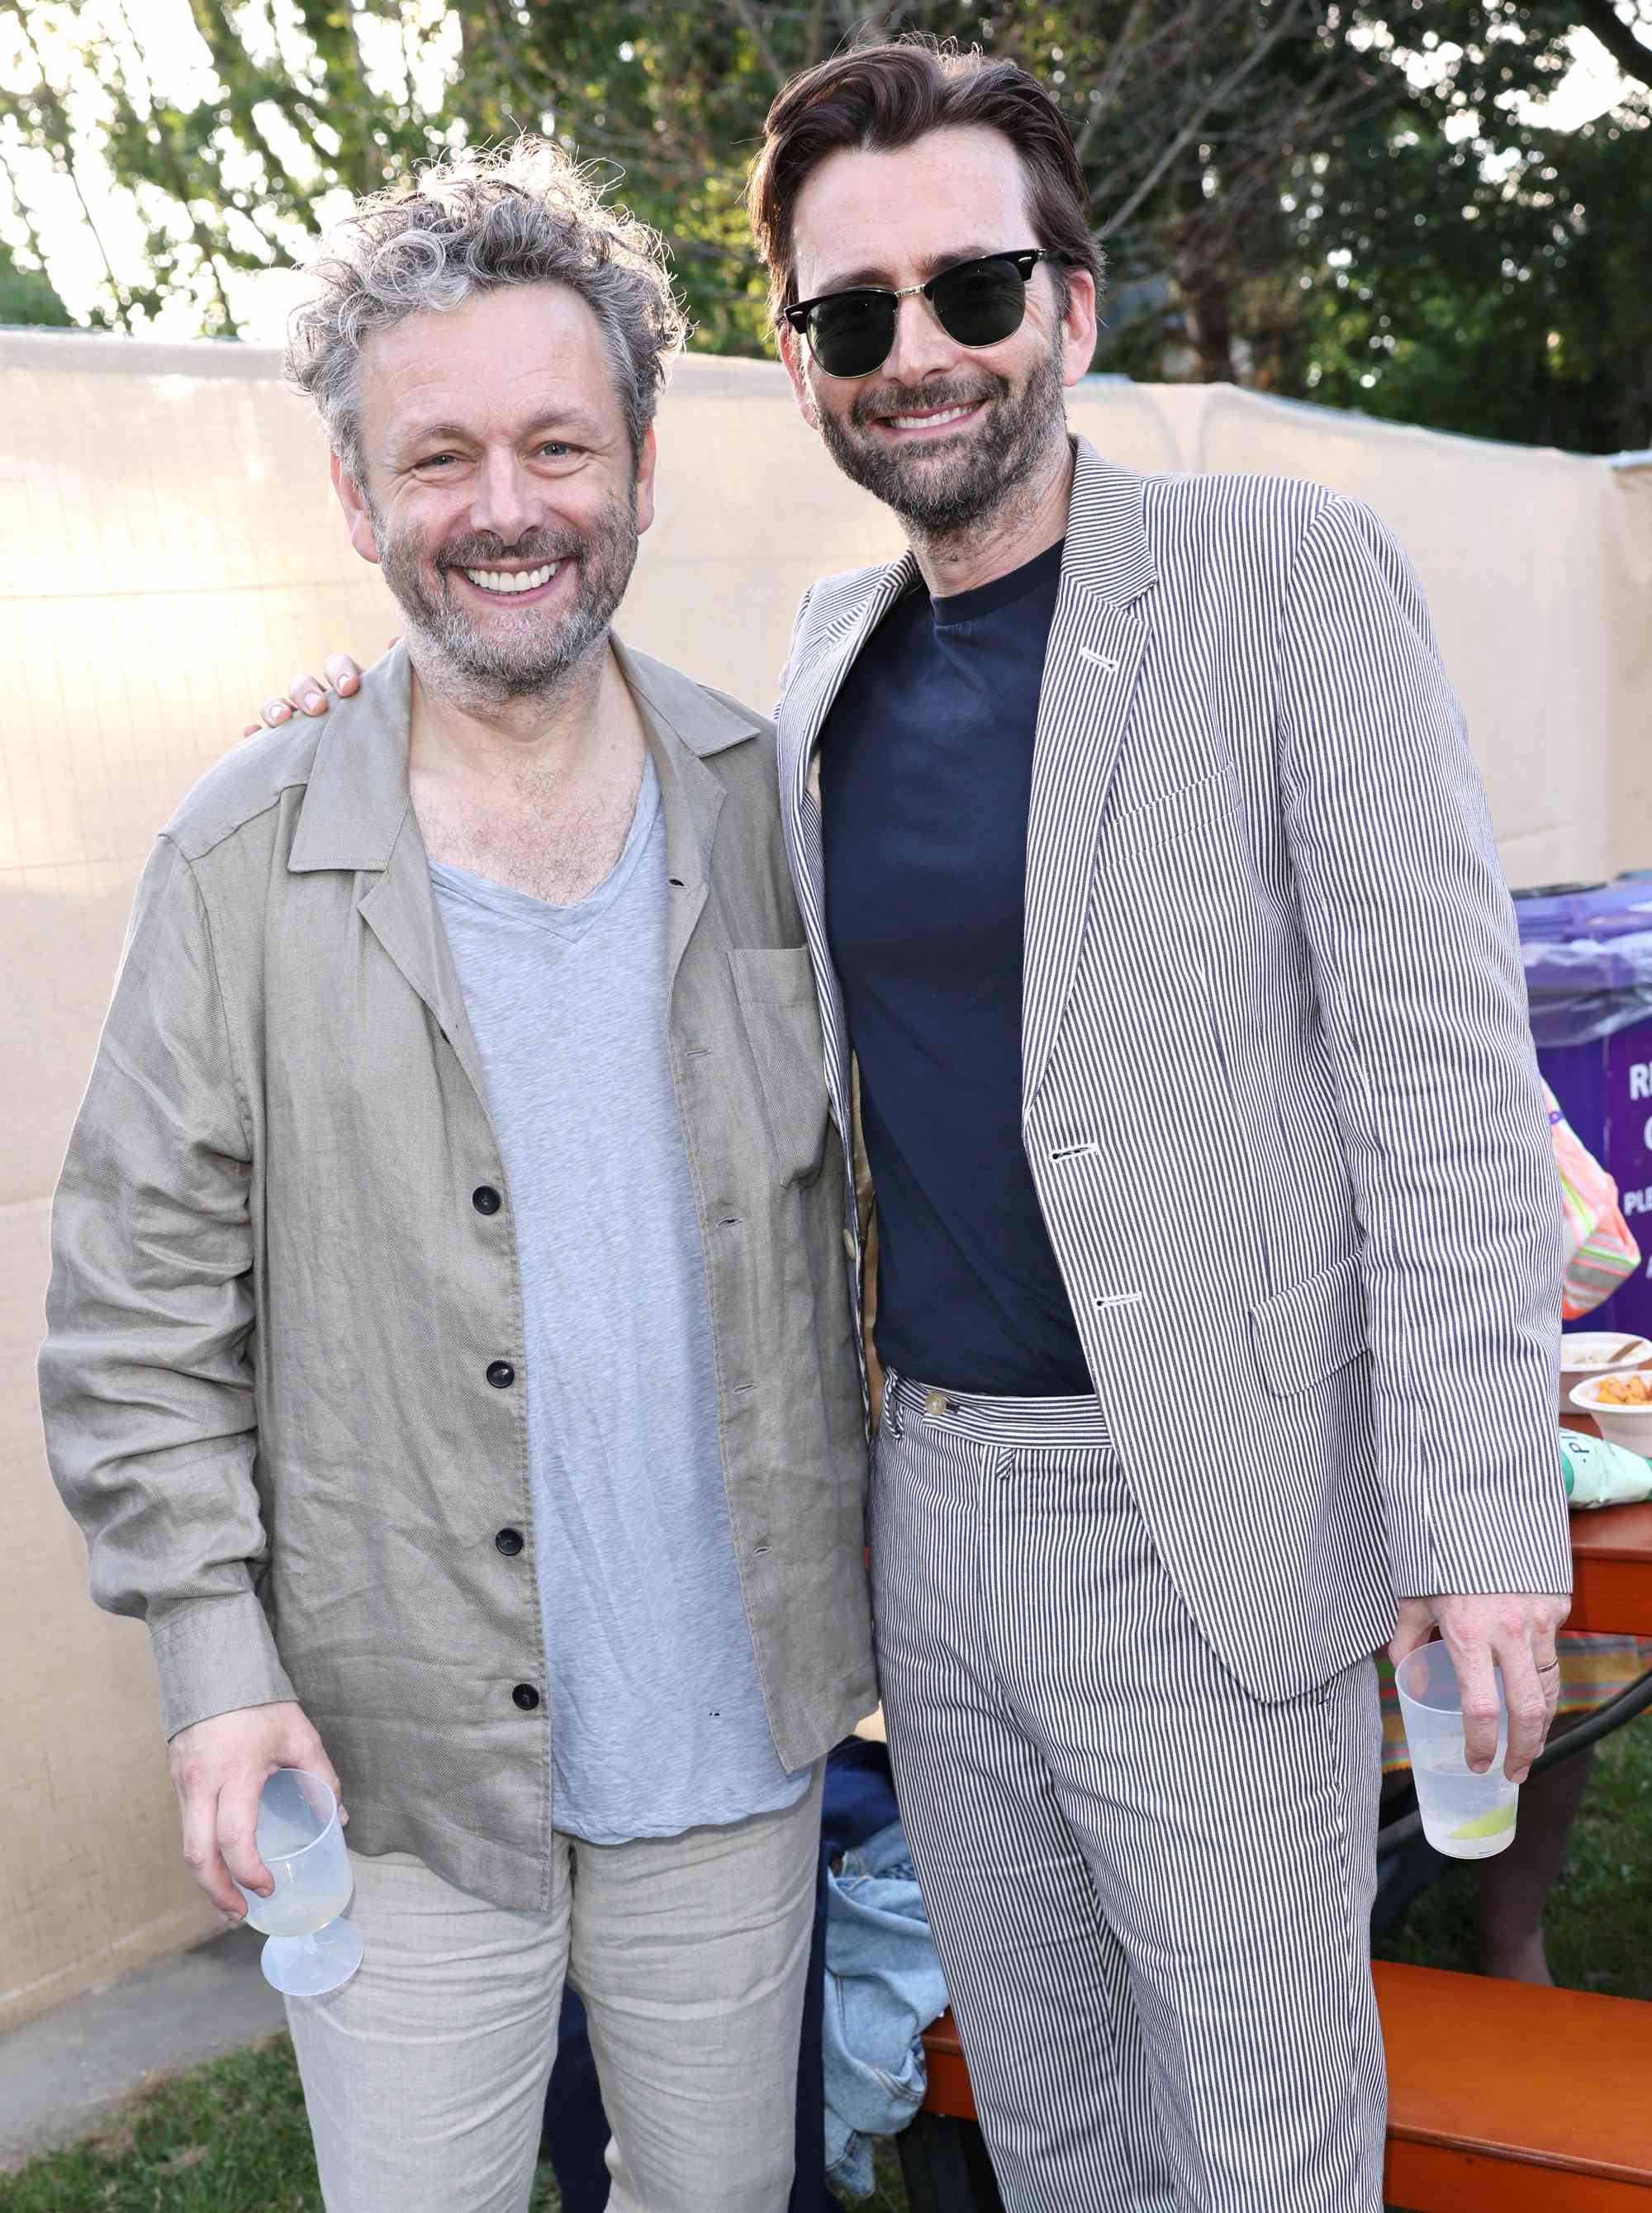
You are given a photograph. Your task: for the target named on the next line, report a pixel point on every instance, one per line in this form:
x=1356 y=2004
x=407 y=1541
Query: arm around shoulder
x=146 y=1386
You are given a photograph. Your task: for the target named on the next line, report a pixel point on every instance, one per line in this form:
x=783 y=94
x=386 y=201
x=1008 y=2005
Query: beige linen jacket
x=283 y=1377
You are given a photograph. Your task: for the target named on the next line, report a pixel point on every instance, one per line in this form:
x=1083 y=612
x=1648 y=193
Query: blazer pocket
x=1308 y=1332
x=1159 y=821
x=775 y=987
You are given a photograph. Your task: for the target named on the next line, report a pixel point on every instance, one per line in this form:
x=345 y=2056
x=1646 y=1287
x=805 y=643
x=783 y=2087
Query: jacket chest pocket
x=1199 y=810
x=780 y=1014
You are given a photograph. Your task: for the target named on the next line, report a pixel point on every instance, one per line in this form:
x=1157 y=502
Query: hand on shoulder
x=307 y=695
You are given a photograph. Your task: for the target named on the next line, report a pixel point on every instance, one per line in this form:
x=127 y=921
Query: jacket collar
x=1106 y=550
x=1106 y=558
x=1106 y=553
x=1096 y=644
x=357 y=798
x=684 y=724
x=358 y=815
x=706 y=721
x=1092 y=664
x=356 y=801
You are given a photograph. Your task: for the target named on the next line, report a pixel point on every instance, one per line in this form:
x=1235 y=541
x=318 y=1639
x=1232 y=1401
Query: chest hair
x=553 y=836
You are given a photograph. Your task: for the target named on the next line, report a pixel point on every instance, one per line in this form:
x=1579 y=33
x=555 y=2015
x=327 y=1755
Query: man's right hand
x=308 y=694
x=218 y=1769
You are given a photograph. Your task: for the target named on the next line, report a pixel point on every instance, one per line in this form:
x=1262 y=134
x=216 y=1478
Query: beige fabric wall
x=1535 y=566
x=169 y=552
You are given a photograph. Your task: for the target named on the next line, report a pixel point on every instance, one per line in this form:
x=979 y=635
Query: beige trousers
x=424 y=2077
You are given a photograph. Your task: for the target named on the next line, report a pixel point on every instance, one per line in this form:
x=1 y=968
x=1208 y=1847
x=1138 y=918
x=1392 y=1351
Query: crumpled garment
x=883 y=1988
x=1599 y=1246
x=1600 y=1474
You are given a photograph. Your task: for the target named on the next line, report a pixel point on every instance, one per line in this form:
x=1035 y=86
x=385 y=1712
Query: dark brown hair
x=880 y=97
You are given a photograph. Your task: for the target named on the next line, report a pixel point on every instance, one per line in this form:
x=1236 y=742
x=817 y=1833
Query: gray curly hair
x=521 y=213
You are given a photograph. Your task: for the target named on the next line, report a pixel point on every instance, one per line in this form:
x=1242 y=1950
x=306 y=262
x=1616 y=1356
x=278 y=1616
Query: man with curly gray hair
x=483 y=226
x=449 y=1354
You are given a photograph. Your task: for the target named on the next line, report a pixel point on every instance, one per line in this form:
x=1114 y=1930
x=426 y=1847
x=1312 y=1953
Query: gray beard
x=530 y=656
x=946 y=495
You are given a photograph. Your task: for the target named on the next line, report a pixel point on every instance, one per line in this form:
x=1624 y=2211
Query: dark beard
x=535 y=654
x=939 y=494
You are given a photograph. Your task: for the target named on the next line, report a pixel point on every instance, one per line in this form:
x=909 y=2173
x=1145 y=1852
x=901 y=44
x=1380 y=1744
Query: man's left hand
x=1515 y=1632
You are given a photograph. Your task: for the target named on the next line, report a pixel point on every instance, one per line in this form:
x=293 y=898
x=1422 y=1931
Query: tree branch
x=1615 y=35
x=759 y=38
x=20 y=208
x=1118 y=61
x=178 y=183
x=1288 y=15
x=63 y=152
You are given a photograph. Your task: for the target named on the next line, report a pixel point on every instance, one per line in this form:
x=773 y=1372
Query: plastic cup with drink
x=1465 y=1816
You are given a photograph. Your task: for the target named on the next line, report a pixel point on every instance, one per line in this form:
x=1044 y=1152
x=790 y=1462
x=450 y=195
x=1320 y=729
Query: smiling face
x=501 y=495
x=942 y=433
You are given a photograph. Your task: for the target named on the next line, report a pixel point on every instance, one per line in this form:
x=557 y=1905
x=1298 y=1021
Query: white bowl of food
x=1588 y=1352
x=1620 y=1405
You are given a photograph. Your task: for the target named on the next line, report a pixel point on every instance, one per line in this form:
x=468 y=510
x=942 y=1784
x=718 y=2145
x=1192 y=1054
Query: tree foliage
x=1506 y=298
x=1480 y=271
x=27 y=295
x=1361 y=204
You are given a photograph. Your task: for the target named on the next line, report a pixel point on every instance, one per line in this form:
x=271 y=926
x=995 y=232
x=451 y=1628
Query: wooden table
x=1611 y=1570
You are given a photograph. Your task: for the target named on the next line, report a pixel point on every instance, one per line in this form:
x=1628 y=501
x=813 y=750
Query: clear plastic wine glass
x=312 y=1948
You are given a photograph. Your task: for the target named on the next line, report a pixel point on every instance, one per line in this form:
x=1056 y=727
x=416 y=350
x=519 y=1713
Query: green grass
x=231 y=2138
x=1598 y=1928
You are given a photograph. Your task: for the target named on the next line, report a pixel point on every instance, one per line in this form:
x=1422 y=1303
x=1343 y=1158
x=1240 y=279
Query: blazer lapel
x=1091 y=667
x=803 y=711
x=808 y=697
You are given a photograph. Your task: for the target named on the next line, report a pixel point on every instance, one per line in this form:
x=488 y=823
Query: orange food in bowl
x=1633 y=1390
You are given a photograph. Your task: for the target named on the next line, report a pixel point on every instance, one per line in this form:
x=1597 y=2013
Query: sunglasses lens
x=851 y=335
x=980 y=302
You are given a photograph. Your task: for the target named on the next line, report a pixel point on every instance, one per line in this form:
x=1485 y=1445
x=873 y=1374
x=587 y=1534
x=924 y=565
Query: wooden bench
x=1503 y=2098
x=1507 y=2096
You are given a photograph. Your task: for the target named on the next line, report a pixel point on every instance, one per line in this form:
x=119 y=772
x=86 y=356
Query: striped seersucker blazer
x=1279 y=1095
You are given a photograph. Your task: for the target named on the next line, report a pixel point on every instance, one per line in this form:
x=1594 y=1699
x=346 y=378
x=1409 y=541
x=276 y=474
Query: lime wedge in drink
x=1489 y=1825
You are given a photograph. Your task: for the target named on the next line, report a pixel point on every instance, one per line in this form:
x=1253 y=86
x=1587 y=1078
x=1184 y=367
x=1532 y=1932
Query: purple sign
x=1604 y=1090
x=1628 y=1161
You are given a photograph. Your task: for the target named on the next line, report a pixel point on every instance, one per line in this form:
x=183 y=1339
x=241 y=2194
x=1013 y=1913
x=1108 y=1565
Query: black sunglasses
x=976 y=302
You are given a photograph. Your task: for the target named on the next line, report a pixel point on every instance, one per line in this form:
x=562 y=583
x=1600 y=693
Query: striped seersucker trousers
x=1150 y=1890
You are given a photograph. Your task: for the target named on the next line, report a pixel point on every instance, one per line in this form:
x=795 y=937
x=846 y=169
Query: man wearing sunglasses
x=1170 y=998
x=1162 y=951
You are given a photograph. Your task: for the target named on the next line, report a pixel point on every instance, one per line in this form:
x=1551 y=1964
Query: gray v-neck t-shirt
x=657 y=1721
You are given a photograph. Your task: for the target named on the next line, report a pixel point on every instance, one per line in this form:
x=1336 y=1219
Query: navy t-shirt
x=926 y=777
